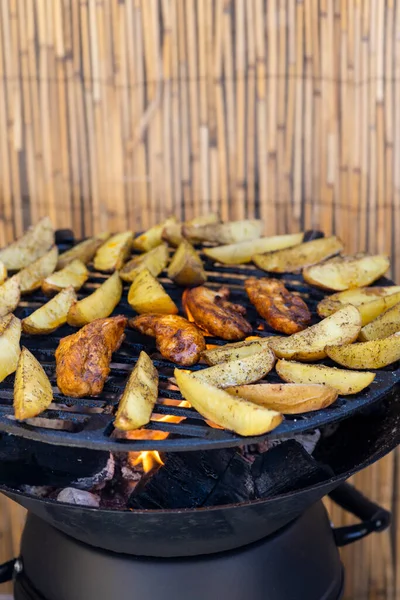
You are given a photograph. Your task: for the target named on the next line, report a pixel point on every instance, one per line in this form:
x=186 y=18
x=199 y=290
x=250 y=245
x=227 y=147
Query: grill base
x=300 y=561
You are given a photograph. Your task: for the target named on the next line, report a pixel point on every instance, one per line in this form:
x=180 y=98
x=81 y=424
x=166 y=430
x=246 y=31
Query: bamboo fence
x=117 y=113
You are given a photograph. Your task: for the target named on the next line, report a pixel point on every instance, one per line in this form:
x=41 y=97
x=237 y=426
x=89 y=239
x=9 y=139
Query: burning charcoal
x=40 y=491
x=285 y=468
x=236 y=484
x=74 y=496
x=98 y=480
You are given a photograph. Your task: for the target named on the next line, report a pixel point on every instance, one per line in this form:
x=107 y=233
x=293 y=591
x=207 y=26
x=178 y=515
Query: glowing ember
x=261 y=327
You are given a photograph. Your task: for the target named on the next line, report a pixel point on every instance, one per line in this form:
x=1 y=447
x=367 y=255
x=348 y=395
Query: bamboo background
x=117 y=113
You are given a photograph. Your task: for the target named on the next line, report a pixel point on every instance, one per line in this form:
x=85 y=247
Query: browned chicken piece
x=213 y=312
x=177 y=339
x=282 y=310
x=83 y=358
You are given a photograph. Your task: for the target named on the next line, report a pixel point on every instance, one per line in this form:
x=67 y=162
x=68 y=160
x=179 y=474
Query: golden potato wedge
x=293 y=260
x=98 y=305
x=51 y=315
x=239 y=372
x=84 y=251
x=31 y=246
x=154 y=261
x=236 y=254
x=32 y=389
x=147 y=295
x=139 y=397
x=369 y=309
x=74 y=274
x=225 y=233
x=344 y=381
x=347 y=272
x=287 y=398
x=340 y=328
x=3 y=273
x=186 y=267
x=112 y=254
x=172 y=232
x=9 y=296
x=152 y=237
x=10 y=334
x=374 y=354
x=383 y=326
x=230 y=412
x=227 y=352
x=30 y=278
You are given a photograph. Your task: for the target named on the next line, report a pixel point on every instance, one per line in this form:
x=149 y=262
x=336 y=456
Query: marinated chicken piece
x=83 y=358
x=177 y=339
x=282 y=310
x=213 y=312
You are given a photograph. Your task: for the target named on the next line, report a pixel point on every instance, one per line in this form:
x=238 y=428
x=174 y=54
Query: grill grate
x=88 y=422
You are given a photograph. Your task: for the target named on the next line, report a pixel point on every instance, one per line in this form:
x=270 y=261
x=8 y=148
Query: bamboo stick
x=250 y=113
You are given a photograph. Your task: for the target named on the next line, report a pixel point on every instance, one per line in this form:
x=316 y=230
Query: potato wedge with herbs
x=340 y=328
x=347 y=272
x=345 y=382
x=10 y=335
x=51 y=315
x=383 y=326
x=98 y=305
x=30 y=278
x=374 y=354
x=112 y=254
x=236 y=254
x=172 y=232
x=225 y=233
x=75 y=274
x=154 y=261
x=84 y=251
x=9 y=296
x=228 y=352
x=293 y=260
x=370 y=306
x=239 y=372
x=147 y=295
x=28 y=248
x=139 y=397
x=225 y=410
x=186 y=267
x=32 y=389
x=287 y=398
x=152 y=237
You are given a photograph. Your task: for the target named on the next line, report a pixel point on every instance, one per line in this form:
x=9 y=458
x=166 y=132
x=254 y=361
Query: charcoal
x=98 y=480
x=40 y=491
x=285 y=468
x=74 y=496
x=236 y=484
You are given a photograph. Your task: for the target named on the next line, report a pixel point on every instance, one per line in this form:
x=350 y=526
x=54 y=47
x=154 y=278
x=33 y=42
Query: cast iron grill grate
x=88 y=422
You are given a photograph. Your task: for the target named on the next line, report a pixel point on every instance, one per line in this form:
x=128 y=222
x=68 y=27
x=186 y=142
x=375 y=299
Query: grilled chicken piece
x=281 y=309
x=83 y=358
x=177 y=339
x=213 y=312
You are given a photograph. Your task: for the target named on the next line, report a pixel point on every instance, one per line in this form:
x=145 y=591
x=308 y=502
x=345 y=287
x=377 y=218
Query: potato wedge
x=225 y=233
x=139 y=397
x=369 y=309
x=112 y=254
x=9 y=296
x=32 y=389
x=287 y=398
x=239 y=372
x=383 y=326
x=236 y=254
x=51 y=315
x=343 y=381
x=293 y=260
x=229 y=352
x=84 y=251
x=186 y=267
x=3 y=273
x=230 y=412
x=147 y=295
x=340 y=328
x=154 y=261
x=31 y=246
x=10 y=335
x=172 y=232
x=152 y=237
x=347 y=272
x=30 y=278
x=98 y=305
x=374 y=354
x=74 y=274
